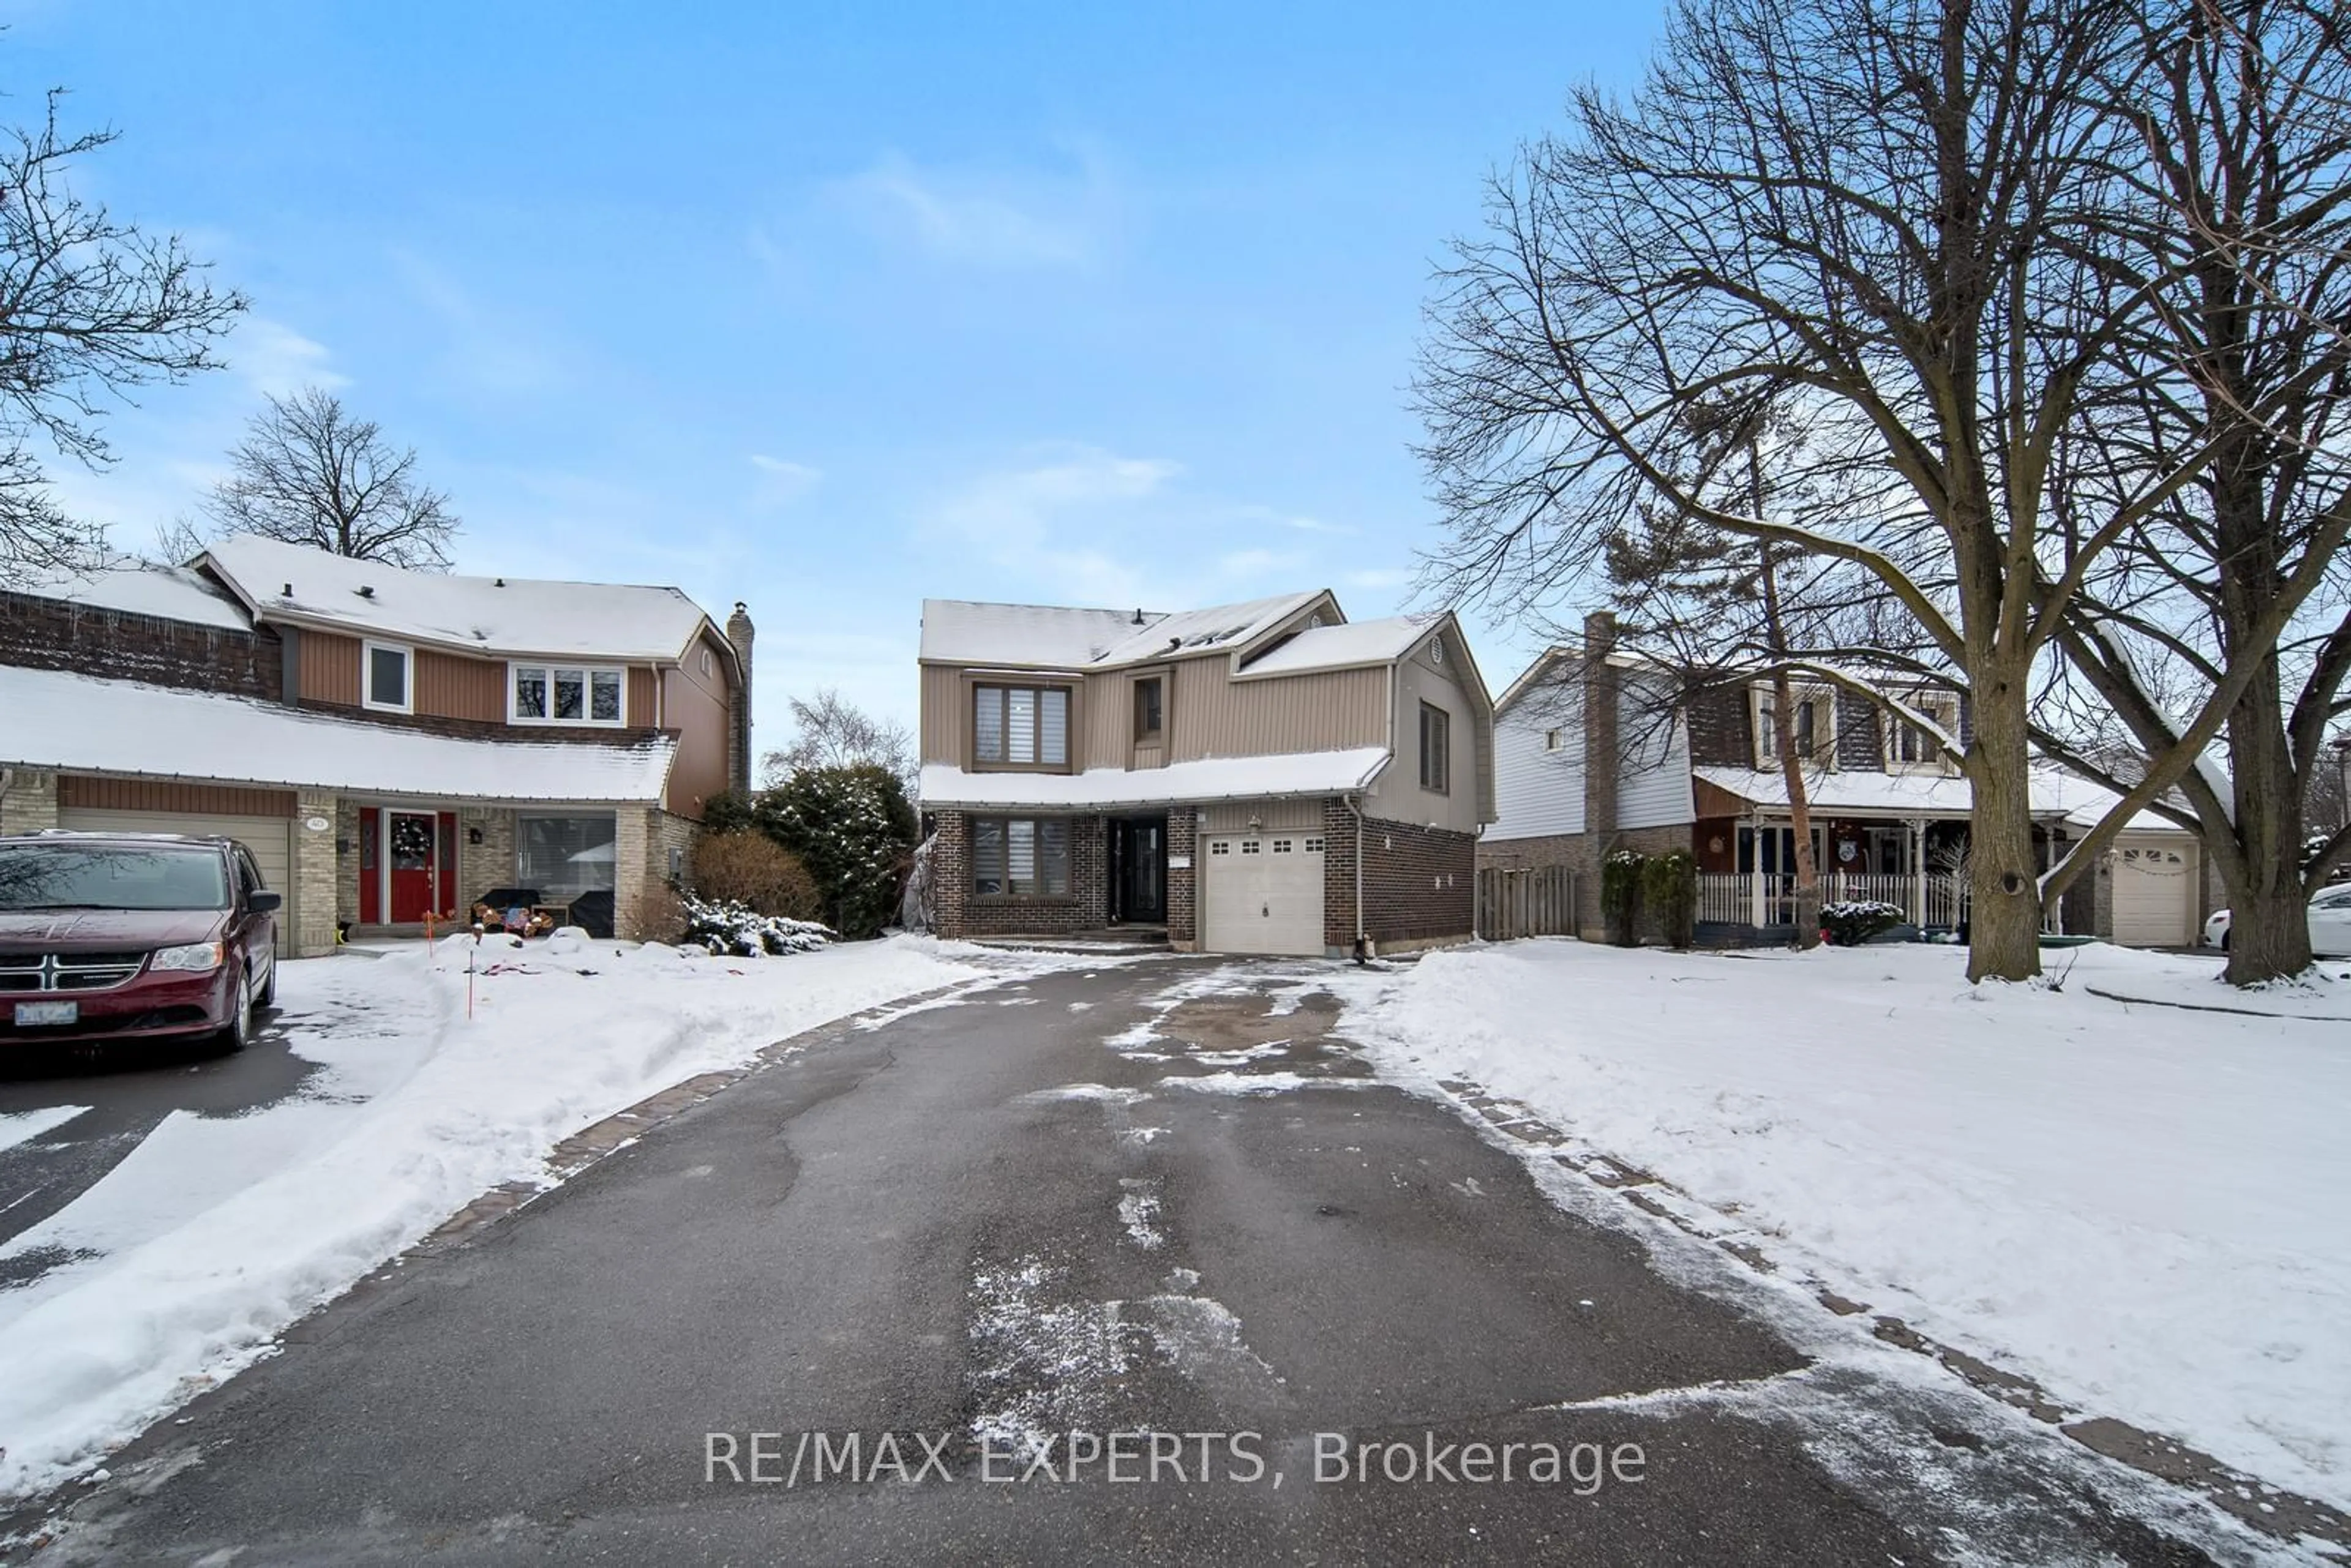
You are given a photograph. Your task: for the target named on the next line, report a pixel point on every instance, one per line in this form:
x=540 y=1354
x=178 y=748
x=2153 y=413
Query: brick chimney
x=739 y=634
x=1600 y=763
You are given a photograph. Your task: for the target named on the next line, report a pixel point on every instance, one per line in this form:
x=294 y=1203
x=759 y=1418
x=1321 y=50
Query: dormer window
x=1021 y=726
x=1912 y=748
x=567 y=694
x=387 y=671
x=1815 y=726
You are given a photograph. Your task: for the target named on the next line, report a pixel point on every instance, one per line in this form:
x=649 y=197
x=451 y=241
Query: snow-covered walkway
x=2145 y=1209
x=216 y=1233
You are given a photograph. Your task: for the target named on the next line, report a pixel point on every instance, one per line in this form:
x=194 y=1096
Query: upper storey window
x=387 y=669
x=562 y=693
x=1021 y=726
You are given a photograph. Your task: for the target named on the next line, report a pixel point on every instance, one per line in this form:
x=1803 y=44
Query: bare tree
x=308 y=472
x=2235 y=595
x=1881 y=214
x=90 y=307
x=829 y=732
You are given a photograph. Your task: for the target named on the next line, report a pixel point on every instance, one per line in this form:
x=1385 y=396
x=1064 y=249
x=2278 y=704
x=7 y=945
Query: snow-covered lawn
x=2147 y=1209
x=215 y=1234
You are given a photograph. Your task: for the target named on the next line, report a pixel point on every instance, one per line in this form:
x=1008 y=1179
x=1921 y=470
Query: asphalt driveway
x=978 y=1231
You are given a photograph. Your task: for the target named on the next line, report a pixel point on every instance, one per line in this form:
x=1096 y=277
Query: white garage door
x=267 y=837
x=1262 y=892
x=2155 y=890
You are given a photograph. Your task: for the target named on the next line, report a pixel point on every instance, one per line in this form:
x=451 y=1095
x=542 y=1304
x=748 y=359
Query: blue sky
x=831 y=308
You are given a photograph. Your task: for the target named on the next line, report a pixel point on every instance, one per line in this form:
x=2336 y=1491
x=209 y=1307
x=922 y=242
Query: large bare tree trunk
x=2003 y=892
x=2269 y=921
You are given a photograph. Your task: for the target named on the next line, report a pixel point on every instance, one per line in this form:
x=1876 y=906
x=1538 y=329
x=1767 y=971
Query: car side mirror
x=264 y=903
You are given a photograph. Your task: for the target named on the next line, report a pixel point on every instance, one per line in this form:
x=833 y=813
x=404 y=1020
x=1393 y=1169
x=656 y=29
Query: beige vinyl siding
x=643 y=704
x=1398 y=796
x=942 y=721
x=1209 y=715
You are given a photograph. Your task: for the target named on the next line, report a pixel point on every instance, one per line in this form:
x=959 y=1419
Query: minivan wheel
x=238 y=1032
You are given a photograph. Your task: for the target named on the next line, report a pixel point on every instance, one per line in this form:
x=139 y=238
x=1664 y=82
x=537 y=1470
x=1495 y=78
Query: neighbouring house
x=1596 y=749
x=390 y=745
x=1258 y=778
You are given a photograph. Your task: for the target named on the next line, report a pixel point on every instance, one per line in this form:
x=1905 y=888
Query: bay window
x=566 y=693
x=1019 y=857
x=1021 y=726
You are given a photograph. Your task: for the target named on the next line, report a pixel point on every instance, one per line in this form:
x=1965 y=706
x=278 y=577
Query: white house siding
x=1653 y=778
x=1537 y=793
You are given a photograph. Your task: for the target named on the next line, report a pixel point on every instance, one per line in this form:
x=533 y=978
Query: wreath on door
x=412 y=839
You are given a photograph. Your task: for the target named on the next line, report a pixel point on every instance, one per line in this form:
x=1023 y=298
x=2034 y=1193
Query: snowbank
x=215 y=1234
x=2140 y=1207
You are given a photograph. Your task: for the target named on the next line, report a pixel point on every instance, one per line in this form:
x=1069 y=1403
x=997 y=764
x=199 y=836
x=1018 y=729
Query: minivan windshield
x=112 y=876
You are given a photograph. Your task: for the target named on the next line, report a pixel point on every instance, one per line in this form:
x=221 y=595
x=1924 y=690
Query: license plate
x=31 y=1015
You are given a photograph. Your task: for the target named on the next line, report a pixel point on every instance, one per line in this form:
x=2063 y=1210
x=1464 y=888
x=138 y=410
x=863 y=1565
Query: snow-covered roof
x=2054 y=793
x=1350 y=643
x=57 y=720
x=499 y=615
x=171 y=592
x=1290 y=774
x=1046 y=636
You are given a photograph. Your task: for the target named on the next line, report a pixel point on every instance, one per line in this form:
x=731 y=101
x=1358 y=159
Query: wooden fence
x=1534 y=901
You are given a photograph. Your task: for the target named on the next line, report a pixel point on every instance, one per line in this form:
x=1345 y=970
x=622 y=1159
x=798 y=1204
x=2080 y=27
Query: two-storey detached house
x=1257 y=777
x=1597 y=749
x=390 y=745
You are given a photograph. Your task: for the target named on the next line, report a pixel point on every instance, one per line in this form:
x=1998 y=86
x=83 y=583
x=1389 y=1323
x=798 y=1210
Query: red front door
x=415 y=861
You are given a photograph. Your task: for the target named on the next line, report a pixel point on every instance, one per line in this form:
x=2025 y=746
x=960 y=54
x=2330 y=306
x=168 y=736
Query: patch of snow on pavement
x=24 y=1126
x=218 y=1234
x=1138 y=1211
x=2139 y=1207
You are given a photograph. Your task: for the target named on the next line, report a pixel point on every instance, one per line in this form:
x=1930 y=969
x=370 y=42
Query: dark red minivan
x=133 y=936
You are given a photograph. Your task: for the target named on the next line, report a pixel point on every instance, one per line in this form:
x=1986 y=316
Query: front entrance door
x=415 y=866
x=1138 y=855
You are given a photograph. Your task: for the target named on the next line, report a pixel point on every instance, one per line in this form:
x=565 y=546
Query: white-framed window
x=1314 y=846
x=1252 y=846
x=1282 y=846
x=1551 y=740
x=388 y=677
x=1815 y=716
x=1911 y=747
x=1220 y=846
x=566 y=693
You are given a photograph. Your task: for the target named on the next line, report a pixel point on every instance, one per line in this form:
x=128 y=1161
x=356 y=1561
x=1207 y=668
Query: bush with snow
x=729 y=930
x=1852 y=922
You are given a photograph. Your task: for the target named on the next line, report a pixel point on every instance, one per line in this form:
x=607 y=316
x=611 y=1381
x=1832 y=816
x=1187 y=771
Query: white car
x=2330 y=924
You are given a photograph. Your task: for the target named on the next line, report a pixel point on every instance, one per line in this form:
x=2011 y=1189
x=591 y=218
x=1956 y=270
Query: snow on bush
x=1851 y=921
x=724 y=929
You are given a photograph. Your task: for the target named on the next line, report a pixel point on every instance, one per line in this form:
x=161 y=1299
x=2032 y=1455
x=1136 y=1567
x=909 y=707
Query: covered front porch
x=1893 y=839
x=402 y=862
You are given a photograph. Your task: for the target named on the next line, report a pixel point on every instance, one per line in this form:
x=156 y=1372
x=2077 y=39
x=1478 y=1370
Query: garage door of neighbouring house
x=1262 y=892
x=2155 y=890
x=267 y=837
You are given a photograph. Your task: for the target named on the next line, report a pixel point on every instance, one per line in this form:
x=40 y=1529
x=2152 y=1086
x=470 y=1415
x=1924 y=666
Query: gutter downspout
x=1362 y=940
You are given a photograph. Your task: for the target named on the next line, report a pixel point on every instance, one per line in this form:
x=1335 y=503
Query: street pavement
x=977 y=1226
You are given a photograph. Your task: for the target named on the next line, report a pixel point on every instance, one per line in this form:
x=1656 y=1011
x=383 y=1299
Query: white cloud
x=275 y=359
x=1259 y=562
x=1029 y=219
x=1379 y=577
x=781 y=481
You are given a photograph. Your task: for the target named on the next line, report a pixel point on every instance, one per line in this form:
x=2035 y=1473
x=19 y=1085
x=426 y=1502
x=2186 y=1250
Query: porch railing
x=1768 y=898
